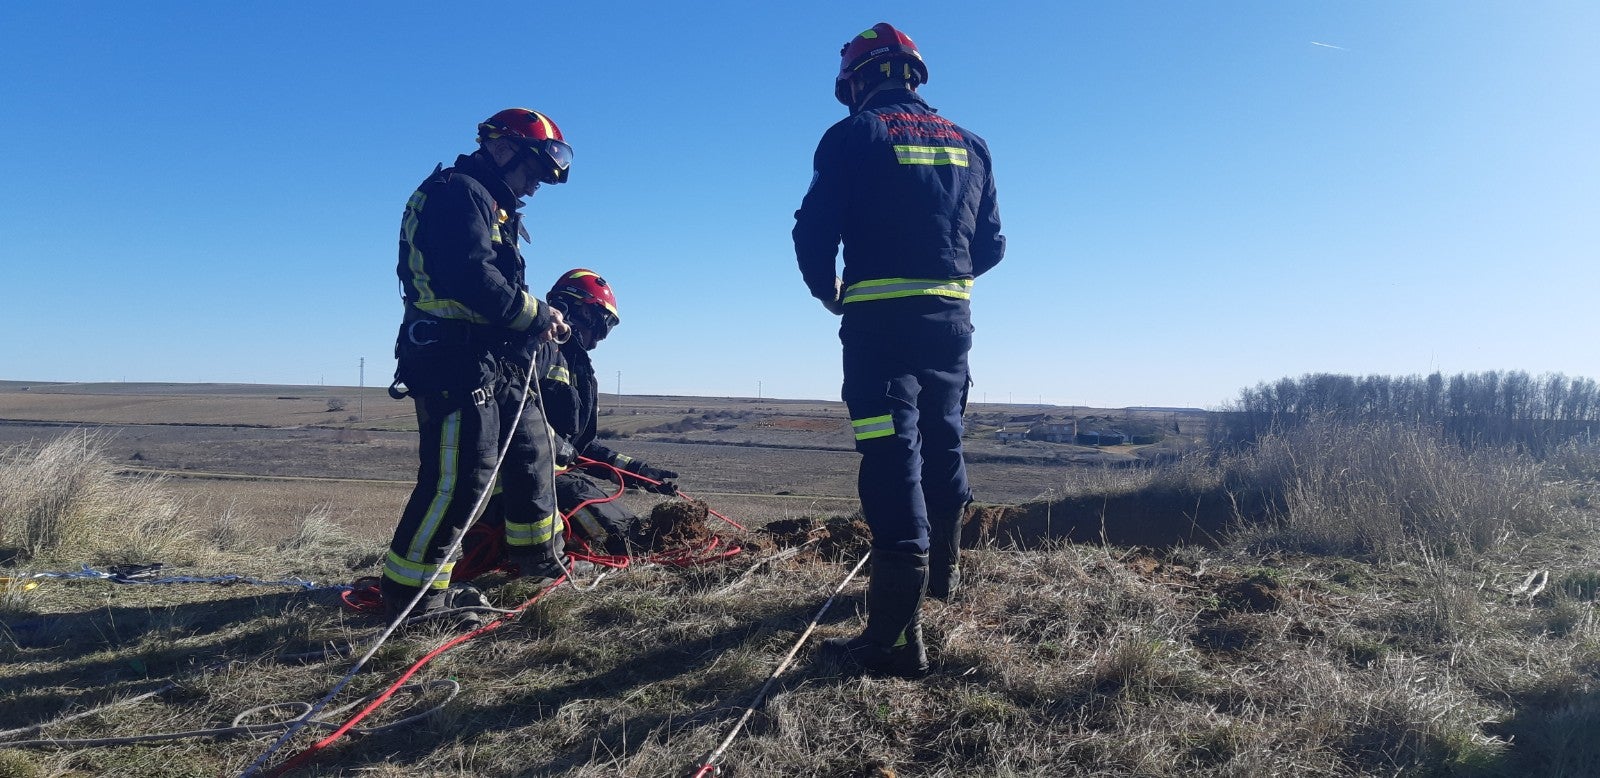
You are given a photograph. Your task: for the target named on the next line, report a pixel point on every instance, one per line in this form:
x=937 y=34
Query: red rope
x=301 y=758
x=623 y=475
x=365 y=596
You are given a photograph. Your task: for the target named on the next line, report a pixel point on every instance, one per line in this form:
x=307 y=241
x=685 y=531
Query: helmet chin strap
x=861 y=97
x=511 y=164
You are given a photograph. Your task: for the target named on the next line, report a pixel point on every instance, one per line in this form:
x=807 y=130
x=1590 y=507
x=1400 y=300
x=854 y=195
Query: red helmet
x=587 y=299
x=882 y=44
x=535 y=132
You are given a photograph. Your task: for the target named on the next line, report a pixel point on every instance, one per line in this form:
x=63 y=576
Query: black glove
x=565 y=453
x=660 y=476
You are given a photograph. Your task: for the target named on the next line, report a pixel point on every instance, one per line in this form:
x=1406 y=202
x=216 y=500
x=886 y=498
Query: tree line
x=1489 y=408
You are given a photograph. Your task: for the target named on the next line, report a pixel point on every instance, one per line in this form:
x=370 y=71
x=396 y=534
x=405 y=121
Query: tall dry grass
x=1391 y=490
x=64 y=497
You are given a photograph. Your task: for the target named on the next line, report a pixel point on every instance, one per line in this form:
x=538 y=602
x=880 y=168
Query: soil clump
x=674 y=524
x=833 y=540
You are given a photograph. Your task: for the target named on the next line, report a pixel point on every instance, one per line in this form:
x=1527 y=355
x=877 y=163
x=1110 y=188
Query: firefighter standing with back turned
x=468 y=336
x=911 y=195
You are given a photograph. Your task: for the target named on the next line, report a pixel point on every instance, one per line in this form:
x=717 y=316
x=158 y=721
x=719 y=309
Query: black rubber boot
x=944 y=553
x=537 y=563
x=892 y=642
x=396 y=596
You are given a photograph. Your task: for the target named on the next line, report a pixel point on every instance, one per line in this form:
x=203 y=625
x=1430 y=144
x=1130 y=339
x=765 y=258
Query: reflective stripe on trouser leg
x=532 y=522
x=917 y=378
x=414 y=575
x=602 y=523
x=883 y=413
x=538 y=533
x=456 y=453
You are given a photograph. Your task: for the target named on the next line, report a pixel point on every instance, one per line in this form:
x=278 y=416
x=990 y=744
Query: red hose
x=359 y=600
x=301 y=758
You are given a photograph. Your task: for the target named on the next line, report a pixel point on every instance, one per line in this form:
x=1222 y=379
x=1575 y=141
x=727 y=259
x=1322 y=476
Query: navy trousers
x=905 y=384
x=460 y=437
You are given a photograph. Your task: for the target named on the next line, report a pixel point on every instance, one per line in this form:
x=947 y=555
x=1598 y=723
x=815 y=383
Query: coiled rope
x=530 y=386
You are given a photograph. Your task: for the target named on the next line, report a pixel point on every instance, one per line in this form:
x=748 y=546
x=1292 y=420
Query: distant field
x=283 y=451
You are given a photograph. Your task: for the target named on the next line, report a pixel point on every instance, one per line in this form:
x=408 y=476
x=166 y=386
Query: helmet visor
x=558 y=156
x=594 y=317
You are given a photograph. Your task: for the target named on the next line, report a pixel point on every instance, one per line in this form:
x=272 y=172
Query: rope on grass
x=708 y=766
x=237 y=727
x=146 y=575
x=377 y=699
x=530 y=386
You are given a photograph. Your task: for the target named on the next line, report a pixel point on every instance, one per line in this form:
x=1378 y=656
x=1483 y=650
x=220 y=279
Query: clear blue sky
x=1198 y=196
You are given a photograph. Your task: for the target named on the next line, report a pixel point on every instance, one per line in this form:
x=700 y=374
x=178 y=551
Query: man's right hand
x=836 y=305
x=559 y=331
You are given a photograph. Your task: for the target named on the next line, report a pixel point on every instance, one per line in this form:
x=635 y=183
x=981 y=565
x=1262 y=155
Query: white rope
x=530 y=387
x=708 y=765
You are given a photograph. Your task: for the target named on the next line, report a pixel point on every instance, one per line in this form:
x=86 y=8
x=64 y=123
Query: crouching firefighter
x=911 y=196
x=571 y=392
x=468 y=337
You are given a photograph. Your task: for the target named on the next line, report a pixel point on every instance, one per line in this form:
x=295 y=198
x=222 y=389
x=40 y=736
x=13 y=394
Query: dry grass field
x=281 y=450
x=1342 y=600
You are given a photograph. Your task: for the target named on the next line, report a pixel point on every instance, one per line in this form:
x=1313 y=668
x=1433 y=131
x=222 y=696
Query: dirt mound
x=673 y=524
x=837 y=538
x=1152 y=518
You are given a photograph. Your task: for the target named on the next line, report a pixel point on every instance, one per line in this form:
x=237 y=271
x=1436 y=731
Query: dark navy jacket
x=911 y=195
x=570 y=392
x=463 y=280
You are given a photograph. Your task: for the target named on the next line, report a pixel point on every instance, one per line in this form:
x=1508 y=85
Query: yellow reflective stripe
x=591 y=526
x=874 y=427
x=621 y=460
x=886 y=288
x=445 y=489
x=536 y=533
x=450 y=309
x=524 y=317
x=408 y=229
x=415 y=574
x=558 y=374
x=587 y=274
x=426 y=299
x=931 y=155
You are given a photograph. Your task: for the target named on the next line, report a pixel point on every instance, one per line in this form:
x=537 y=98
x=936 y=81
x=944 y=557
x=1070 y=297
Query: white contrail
x=1328 y=45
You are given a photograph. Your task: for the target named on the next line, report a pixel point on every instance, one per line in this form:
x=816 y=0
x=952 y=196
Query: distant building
x=1052 y=431
x=1099 y=438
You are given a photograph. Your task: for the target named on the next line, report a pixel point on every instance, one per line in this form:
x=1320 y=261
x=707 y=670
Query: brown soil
x=673 y=524
x=1150 y=518
x=836 y=539
x=801 y=423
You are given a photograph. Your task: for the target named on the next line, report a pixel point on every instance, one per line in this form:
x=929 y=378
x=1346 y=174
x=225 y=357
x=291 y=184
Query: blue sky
x=1198 y=196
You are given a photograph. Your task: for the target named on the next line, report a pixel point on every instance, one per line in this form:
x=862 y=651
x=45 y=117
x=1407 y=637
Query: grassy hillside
x=1371 y=601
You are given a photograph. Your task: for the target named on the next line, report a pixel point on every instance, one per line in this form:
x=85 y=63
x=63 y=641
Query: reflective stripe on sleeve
x=524 y=318
x=558 y=374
